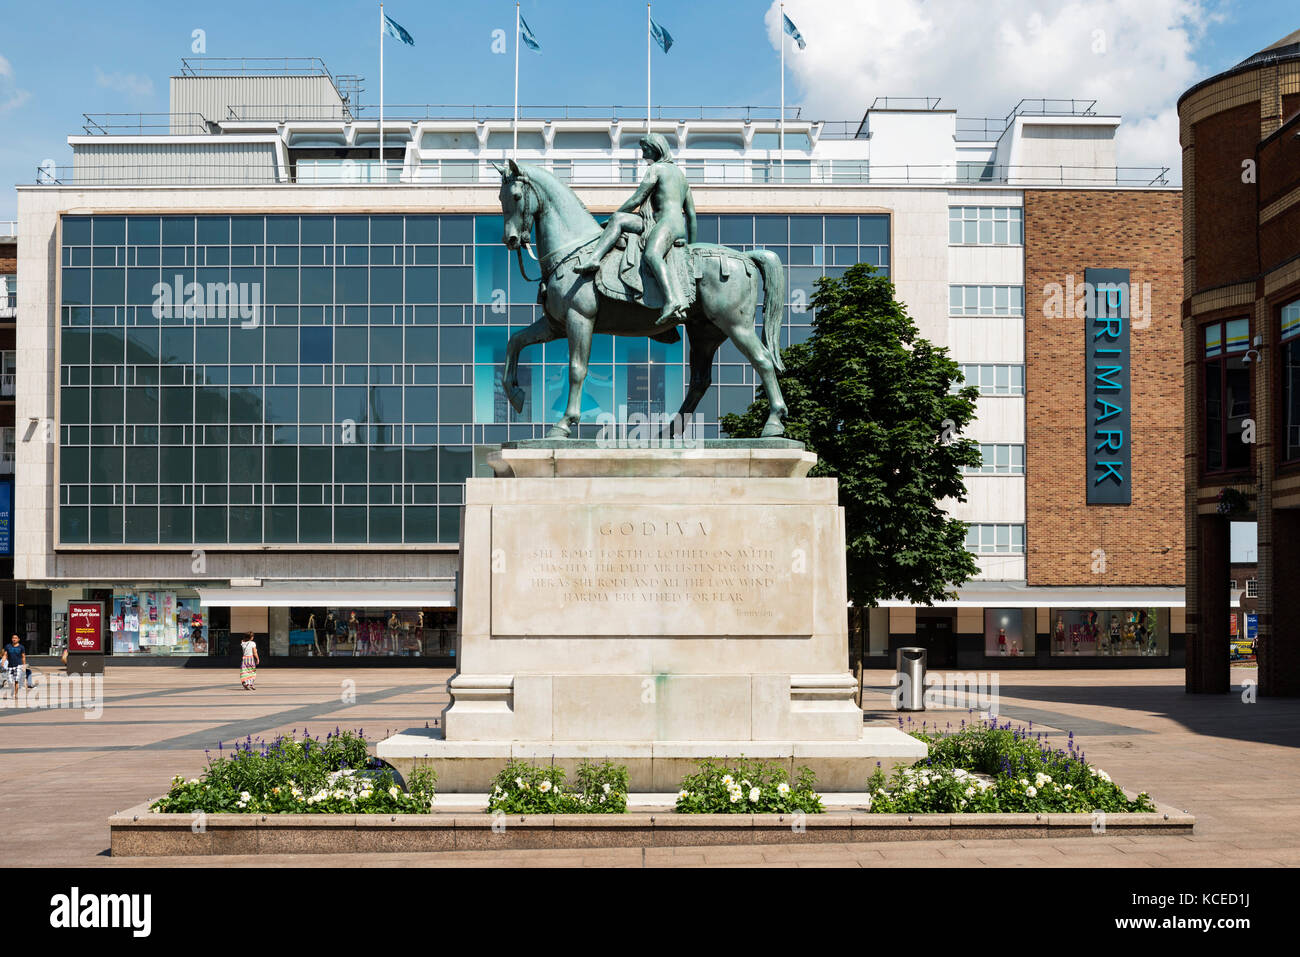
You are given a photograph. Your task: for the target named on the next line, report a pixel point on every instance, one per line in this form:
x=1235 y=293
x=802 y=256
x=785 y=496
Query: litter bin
x=909 y=678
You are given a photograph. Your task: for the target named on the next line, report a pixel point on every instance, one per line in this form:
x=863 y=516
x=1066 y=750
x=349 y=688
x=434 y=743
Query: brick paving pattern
x=1235 y=765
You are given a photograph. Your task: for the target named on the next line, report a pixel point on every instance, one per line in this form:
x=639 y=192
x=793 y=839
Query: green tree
x=875 y=401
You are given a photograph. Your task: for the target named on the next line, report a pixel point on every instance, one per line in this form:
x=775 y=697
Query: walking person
x=248 y=663
x=15 y=663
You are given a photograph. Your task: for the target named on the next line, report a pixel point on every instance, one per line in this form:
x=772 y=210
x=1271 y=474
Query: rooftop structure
x=251 y=121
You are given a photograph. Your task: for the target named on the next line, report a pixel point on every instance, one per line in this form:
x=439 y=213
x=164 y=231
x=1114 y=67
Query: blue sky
x=61 y=59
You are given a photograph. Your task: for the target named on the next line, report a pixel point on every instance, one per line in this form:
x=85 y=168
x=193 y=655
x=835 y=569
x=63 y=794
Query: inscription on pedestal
x=575 y=570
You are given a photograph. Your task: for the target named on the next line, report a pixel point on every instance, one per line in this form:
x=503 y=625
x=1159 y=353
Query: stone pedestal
x=652 y=607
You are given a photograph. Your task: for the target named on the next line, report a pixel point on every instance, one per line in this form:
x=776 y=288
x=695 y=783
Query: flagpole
x=647 y=68
x=514 y=152
x=383 y=178
x=781 y=139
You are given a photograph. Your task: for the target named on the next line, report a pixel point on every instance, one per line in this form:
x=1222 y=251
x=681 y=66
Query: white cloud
x=10 y=96
x=132 y=84
x=1134 y=57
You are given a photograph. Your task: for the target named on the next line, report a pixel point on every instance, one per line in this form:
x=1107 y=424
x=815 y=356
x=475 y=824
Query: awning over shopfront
x=1017 y=595
x=427 y=593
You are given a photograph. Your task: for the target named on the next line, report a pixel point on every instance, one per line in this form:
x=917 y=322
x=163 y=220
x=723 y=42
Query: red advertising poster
x=85 y=626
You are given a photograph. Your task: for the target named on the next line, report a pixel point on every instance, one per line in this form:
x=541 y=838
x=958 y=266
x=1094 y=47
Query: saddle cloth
x=625 y=277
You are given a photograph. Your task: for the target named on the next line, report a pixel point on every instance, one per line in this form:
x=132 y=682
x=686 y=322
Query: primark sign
x=1109 y=395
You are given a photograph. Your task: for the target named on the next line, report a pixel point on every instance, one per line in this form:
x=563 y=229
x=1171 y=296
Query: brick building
x=1241 y=337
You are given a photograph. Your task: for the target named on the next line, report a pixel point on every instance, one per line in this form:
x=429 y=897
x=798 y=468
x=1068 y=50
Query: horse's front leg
x=579 y=330
x=539 y=331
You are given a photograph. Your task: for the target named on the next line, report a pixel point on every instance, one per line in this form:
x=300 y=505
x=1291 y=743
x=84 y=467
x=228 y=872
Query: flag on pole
x=526 y=34
x=791 y=29
x=661 y=36
x=397 y=31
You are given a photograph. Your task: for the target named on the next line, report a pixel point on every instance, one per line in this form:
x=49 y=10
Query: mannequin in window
x=1060 y=635
x=331 y=629
x=1002 y=642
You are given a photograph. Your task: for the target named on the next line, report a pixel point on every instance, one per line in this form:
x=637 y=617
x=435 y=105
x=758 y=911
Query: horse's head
x=518 y=205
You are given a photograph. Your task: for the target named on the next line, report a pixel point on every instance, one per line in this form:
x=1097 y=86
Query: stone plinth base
x=470 y=766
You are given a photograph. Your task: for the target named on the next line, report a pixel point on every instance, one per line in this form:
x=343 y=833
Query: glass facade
x=325 y=379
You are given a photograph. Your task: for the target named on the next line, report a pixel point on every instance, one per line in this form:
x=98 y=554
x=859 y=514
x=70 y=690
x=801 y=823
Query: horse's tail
x=769 y=265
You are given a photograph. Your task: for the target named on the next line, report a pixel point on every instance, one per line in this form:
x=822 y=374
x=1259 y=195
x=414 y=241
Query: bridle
x=526 y=217
x=551 y=261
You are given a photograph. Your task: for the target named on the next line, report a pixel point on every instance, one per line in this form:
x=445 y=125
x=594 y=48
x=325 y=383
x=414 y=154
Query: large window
x=994 y=378
x=995 y=539
x=999 y=459
x=1227 y=395
x=325 y=379
x=986 y=225
x=986 y=300
x=1290 y=361
x=1109 y=632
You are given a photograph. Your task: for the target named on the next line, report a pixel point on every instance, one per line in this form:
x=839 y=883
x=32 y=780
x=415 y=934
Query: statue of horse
x=726 y=280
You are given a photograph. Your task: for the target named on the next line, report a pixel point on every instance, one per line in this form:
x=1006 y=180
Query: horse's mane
x=560 y=192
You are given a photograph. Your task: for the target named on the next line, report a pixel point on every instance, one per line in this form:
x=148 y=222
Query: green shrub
x=523 y=788
x=987 y=767
x=300 y=776
x=750 y=787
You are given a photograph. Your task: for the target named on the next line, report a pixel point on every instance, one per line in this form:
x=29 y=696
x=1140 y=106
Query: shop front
x=307 y=623
x=315 y=623
x=998 y=624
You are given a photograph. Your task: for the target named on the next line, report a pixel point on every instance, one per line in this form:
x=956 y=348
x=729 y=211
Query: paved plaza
x=1234 y=764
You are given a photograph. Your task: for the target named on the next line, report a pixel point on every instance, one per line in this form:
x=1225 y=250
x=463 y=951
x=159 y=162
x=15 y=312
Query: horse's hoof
x=773 y=430
x=558 y=431
x=516 y=397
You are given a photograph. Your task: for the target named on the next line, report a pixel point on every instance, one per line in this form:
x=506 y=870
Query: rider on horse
x=667 y=215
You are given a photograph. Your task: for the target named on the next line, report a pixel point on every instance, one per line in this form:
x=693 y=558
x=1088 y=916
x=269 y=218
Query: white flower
x=959 y=772
x=969 y=792
x=727 y=779
x=192 y=780
x=394 y=791
x=1031 y=792
x=245 y=796
x=366 y=794
x=783 y=789
x=1040 y=779
x=605 y=787
x=753 y=794
x=519 y=782
x=735 y=796
x=1024 y=782
x=544 y=787
x=1069 y=787
x=680 y=795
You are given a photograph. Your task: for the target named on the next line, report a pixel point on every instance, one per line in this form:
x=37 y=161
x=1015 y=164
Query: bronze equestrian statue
x=590 y=287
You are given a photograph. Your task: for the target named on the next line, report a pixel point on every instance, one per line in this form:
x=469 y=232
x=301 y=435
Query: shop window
x=1227 y=395
x=1109 y=632
x=1004 y=633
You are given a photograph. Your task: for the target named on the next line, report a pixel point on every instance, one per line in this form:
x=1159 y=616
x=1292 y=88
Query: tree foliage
x=875 y=401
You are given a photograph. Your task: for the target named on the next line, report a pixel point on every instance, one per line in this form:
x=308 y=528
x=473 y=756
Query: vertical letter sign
x=85 y=627
x=1110 y=446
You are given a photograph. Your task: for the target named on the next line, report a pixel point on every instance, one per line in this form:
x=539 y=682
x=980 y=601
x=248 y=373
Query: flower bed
x=299 y=776
x=523 y=788
x=987 y=767
x=750 y=787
